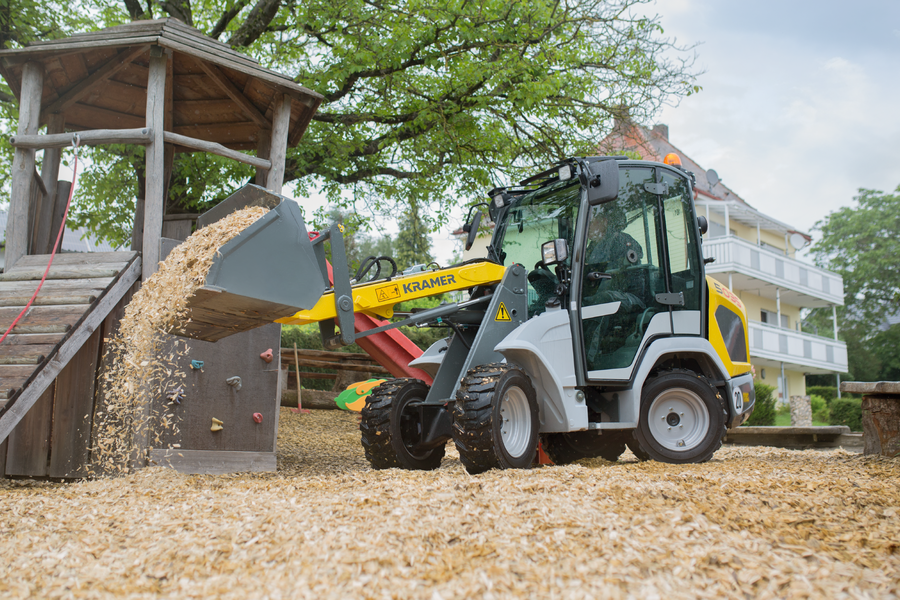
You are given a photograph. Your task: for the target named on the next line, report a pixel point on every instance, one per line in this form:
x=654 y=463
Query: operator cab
x=625 y=260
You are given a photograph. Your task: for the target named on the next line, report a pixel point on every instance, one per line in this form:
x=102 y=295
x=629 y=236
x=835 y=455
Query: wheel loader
x=589 y=327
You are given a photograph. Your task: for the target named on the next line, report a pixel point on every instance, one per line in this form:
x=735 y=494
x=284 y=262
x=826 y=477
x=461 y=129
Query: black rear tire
x=496 y=419
x=682 y=418
x=635 y=447
x=565 y=448
x=391 y=427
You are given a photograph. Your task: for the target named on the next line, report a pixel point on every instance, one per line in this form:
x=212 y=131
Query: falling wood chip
x=140 y=361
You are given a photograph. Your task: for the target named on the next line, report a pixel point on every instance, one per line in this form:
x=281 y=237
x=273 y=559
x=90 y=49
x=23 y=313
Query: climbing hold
x=267 y=355
x=177 y=395
x=257 y=417
x=197 y=364
x=216 y=425
x=234 y=382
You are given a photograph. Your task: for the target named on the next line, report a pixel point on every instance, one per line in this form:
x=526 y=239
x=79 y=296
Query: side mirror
x=472 y=230
x=554 y=252
x=603 y=183
x=703 y=224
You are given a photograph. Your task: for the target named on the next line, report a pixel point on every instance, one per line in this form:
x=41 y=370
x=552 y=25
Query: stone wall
x=801 y=411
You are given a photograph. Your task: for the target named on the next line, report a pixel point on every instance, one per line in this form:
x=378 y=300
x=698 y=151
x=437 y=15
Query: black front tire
x=682 y=418
x=565 y=448
x=391 y=427
x=496 y=419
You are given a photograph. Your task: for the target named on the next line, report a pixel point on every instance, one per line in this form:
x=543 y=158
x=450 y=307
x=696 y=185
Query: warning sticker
x=388 y=292
x=502 y=313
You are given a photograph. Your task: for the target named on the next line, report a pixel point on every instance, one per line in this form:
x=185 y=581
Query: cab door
x=642 y=275
x=623 y=280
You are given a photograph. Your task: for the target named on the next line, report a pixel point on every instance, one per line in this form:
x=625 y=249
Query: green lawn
x=784 y=420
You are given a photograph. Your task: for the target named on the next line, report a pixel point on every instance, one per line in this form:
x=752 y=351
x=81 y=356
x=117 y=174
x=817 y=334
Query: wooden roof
x=217 y=94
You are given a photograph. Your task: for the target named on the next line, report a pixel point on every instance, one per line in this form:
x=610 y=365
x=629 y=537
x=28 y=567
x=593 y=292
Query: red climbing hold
x=258 y=416
x=267 y=355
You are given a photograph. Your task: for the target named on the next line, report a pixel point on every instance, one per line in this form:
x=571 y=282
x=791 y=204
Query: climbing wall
x=247 y=409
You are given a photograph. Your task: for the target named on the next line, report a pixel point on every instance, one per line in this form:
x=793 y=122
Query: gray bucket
x=267 y=272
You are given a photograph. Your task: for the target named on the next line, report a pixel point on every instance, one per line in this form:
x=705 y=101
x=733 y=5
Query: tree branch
x=255 y=24
x=180 y=9
x=226 y=18
x=135 y=11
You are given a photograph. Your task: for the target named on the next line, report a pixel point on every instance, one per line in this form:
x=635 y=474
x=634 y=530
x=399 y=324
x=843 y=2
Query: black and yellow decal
x=502 y=314
x=388 y=292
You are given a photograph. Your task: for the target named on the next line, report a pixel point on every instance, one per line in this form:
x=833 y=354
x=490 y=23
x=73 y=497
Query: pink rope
x=59 y=235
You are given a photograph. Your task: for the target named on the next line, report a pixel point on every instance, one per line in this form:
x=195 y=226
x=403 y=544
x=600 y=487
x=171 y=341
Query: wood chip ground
x=752 y=523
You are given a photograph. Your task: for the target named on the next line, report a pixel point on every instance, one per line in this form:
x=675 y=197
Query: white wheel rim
x=515 y=421
x=678 y=420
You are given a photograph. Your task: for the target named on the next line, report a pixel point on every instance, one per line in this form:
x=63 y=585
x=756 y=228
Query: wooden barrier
x=349 y=366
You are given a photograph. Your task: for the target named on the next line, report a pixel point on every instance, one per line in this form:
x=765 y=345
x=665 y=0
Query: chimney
x=662 y=131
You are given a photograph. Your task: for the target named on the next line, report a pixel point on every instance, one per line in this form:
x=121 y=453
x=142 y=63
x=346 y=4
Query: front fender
x=542 y=347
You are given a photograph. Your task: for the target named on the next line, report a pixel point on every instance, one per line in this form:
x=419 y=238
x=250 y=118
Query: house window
x=767 y=316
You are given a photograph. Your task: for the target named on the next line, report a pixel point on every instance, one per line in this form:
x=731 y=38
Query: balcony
x=805 y=352
x=762 y=271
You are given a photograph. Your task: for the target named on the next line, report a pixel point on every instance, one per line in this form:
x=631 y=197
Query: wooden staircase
x=80 y=292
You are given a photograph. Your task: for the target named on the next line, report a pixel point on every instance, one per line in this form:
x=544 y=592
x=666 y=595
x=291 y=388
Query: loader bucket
x=267 y=272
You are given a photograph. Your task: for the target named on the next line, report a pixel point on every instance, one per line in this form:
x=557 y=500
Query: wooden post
x=281 y=121
x=154 y=171
x=50 y=176
x=263 y=145
x=17 y=231
x=880 y=415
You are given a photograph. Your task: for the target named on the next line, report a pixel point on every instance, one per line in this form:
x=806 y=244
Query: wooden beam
x=93 y=137
x=169 y=154
x=17 y=231
x=154 y=203
x=73 y=411
x=212 y=462
x=20 y=405
x=233 y=92
x=262 y=152
x=50 y=176
x=281 y=122
x=218 y=149
x=109 y=68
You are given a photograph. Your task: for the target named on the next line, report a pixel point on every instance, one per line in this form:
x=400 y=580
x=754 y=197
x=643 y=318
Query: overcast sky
x=800 y=104
x=799 y=107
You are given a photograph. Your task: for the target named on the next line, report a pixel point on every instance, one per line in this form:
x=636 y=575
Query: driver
x=611 y=250
x=608 y=245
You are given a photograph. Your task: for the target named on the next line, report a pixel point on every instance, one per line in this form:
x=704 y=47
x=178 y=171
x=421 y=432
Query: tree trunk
x=881 y=424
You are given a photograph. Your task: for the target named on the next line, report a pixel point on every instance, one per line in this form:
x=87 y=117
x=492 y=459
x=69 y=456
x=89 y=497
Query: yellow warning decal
x=388 y=292
x=502 y=313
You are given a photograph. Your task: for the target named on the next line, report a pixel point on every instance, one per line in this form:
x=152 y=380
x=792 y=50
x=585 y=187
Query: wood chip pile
x=752 y=523
x=141 y=359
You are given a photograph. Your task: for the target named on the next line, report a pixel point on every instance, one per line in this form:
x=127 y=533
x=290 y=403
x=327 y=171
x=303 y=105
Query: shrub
x=826 y=392
x=819 y=408
x=764 y=410
x=847 y=411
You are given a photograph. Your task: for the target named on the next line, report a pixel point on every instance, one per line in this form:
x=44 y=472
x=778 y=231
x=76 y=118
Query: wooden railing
x=313 y=360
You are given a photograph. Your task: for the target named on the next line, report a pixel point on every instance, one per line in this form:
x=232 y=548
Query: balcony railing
x=736 y=255
x=801 y=351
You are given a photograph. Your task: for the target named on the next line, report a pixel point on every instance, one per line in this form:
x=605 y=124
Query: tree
x=860 y=243
x=412 y=246
x=430 y=99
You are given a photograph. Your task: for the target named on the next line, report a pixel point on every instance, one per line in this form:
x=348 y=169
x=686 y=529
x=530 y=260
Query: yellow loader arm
x=377 y=299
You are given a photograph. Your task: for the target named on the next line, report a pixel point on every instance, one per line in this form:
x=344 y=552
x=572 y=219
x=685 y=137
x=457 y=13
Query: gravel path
x=753 y=522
